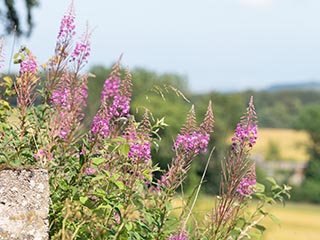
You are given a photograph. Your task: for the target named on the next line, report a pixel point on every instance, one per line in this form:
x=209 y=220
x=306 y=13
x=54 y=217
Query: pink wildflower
x=28 y=66
x=246 y=186
x=162 y=182
x=140 y=148
x=120 y=106
x=114 y=104
x=89 y=171
x=100 y=125
x=117 y=218
x=110 y=88
x=43 y=156
x=60 y=97
x=194 y=142
x=248 y=134
x=140 y=151
x=68 y=99
x=67 y=25
x=81 y=51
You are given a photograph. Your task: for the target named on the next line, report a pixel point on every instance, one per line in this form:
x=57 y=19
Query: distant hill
x=312 y=85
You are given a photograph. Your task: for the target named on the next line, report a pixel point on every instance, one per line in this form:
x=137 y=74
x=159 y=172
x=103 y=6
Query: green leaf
x=16 y=61
x=83 y=199
x=8 y=81
x=16 y=55
x=97 y=178
x=119 y=184
x=4 y=104
x=63 y=185
x=262 y=212
x=27 y=50
x=129 y=226
x=119 y=140
x=147 y=174
x=81 y=160
x=271 y=180
x=275 y=187
x=106 y=206
x=260 y=228
x=124 y=149
x=255 y=235
x=97 y=161
x=274 y=219
x=260 y=188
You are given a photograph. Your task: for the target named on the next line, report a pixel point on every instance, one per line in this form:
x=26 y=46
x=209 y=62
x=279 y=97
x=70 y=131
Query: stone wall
x=24 y=204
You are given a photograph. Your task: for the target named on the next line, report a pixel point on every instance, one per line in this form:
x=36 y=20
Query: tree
x=12 y=18
x=309 y=120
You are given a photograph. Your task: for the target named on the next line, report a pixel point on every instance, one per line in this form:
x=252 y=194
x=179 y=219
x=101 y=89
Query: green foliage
x=281 y=109
x=102 y=174
x=308 y=192
x=309 y=120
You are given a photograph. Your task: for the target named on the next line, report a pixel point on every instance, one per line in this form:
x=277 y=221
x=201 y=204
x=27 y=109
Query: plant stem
x=244 y=232
x=198 y=189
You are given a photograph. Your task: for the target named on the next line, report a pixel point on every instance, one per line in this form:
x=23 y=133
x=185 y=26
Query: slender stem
x=244 y=232
x=77 y=230
x=63 y=237
x=198 y=189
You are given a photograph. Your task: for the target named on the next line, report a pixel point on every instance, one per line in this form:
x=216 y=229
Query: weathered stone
x=24 y=204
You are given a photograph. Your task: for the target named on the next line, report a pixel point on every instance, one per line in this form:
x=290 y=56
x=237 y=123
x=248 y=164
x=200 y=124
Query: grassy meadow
x=282 y=144
x=299 y=221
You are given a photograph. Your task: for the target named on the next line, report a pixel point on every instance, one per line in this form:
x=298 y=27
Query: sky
x=217 y=45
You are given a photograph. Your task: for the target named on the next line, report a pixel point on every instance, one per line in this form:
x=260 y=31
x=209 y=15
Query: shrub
x=101 y=181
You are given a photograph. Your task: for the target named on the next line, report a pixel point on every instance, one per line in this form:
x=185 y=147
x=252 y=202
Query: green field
x=287 y=144
x=299 y=221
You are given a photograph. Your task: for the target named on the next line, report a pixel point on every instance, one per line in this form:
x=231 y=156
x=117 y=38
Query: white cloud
x=257 y=3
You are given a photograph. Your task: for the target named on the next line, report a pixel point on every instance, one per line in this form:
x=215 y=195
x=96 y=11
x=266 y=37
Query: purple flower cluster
x=100 y=125
x=180 y=236
x=89 y=171
x=117 y=218
x=139 y=152
x=113 y=105
x=246 y=186
x=120 y=106
x=162 y=182
x=68 y=100
x=245 y=134
x=110 y=88
x=195 y=142
x=28 y=66
x=60 y=97
x=81 y=51
x=43 y=156
x=67 y=25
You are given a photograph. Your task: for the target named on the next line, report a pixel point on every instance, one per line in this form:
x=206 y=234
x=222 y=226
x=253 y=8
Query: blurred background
x=224 y=51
